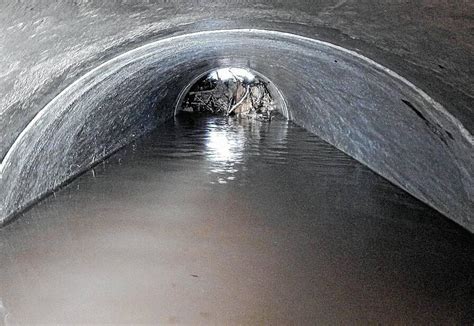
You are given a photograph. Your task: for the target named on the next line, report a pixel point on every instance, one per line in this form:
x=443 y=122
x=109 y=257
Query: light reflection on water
x=224 y=151
x=228 y=140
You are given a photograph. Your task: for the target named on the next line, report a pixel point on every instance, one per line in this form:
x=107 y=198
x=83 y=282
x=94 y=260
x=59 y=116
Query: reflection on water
x=225 y=149
x=228 y=140
x=217 y=221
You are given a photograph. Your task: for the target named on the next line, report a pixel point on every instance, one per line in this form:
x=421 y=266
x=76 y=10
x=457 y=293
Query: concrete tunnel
x=388 y=83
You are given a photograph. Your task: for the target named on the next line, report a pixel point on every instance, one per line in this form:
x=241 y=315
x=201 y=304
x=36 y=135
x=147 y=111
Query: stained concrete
x=389 y=84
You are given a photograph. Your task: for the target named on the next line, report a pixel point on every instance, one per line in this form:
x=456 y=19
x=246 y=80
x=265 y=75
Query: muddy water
x=210 y=221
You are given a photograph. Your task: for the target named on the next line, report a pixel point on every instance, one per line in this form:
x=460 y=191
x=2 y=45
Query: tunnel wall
x=57 y=122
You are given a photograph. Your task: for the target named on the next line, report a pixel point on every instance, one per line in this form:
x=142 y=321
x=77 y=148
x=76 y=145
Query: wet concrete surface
x=215 y=221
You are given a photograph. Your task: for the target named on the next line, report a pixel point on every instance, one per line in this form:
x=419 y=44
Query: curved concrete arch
x=354 y=103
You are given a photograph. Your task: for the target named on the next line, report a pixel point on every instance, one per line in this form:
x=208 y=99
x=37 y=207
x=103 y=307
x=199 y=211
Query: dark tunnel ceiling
x=78 y=85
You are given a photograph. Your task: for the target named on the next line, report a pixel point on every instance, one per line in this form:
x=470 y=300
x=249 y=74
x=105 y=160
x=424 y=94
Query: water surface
x=216 y=221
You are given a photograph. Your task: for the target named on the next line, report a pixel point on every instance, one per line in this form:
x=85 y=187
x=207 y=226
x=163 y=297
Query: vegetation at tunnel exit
x=230 y=92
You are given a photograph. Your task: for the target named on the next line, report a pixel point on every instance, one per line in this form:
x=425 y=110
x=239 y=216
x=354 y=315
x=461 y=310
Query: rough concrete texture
x=81 y=79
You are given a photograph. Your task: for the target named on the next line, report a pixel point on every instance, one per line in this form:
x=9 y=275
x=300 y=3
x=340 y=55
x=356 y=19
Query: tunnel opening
x=234 y=92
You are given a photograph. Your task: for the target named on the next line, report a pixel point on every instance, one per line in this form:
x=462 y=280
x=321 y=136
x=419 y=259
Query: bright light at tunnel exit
x=232 y=73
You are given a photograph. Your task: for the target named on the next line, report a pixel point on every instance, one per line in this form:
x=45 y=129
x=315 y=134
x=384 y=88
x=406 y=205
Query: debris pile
x=236 y=95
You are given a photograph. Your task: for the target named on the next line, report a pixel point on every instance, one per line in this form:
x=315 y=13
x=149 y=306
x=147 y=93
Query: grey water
x=210 y=220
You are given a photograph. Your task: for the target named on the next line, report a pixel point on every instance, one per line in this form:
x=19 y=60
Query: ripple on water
x=219 y=221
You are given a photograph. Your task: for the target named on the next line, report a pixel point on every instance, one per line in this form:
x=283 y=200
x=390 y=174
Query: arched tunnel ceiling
x=83 y=79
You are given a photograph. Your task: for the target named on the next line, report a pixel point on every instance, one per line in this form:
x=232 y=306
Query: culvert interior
x=77 y=87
